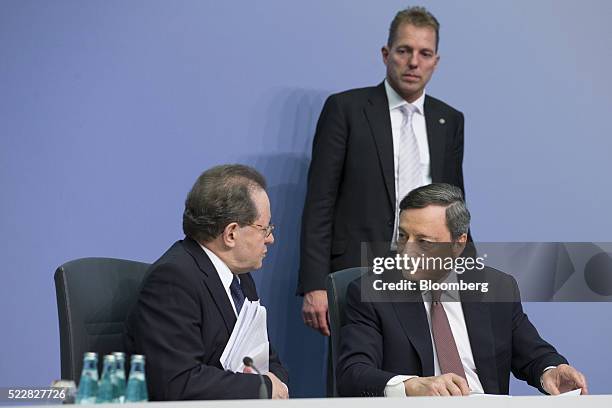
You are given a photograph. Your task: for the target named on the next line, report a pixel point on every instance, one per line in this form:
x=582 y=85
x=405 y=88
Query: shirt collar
x=223 y=270
x=395 y=100
x=446 y=295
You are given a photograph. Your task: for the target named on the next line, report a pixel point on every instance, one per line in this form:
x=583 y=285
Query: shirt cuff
x=395 y=386
x=545 y=370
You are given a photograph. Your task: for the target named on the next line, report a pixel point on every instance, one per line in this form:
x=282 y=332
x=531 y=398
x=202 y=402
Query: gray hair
x=446 y=195
x=220 y=196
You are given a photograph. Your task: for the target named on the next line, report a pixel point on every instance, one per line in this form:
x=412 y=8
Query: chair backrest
x=94 y=296
x=337 y=284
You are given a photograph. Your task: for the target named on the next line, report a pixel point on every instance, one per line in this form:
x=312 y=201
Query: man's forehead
x=412 y=26
x=262 y=203
x=429 y=214
x=408 y=31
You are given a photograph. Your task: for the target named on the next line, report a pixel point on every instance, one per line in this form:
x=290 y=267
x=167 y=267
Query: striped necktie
x=409 y=162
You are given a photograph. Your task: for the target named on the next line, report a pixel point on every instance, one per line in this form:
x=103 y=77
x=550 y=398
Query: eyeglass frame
x=268 y=229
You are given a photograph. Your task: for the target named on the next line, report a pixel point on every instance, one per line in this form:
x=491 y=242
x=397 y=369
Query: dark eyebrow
x=419 y=236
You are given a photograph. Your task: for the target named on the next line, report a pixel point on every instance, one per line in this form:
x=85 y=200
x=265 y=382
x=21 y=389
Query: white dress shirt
x=226 y=276
x=454 y=312
x=224 y=273
x=420 y=131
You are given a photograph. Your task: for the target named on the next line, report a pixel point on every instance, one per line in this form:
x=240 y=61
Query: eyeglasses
x=268 y=230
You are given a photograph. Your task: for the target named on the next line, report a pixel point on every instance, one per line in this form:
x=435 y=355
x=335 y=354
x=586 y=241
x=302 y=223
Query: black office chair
x=94 y=296
x=337 y=283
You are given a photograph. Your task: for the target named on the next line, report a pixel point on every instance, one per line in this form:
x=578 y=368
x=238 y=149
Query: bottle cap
x=137 y=358
x=109 y=358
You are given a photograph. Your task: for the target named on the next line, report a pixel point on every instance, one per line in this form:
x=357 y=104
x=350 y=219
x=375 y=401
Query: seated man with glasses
x=189 y=301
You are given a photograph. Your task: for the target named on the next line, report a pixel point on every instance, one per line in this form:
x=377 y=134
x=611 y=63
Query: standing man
x=190 y=299
x=372 y=146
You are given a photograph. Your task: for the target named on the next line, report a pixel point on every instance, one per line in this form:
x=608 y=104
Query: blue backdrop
x=110 y=109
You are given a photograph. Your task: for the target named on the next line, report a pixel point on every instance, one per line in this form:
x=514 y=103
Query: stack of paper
x=573 y=393
x=248 y=339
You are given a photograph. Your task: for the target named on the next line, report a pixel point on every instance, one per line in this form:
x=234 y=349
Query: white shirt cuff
x=395 y=386
x=545 y=370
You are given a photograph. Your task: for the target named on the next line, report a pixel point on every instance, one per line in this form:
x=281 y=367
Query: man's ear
x=385 y=54
x=459 y=245
x=229 y=234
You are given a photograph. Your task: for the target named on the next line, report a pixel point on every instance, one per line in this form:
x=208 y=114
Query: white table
x=590 y=401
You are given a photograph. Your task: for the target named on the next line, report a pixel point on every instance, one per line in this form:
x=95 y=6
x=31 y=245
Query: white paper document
x=573 y=393
x=249 y=338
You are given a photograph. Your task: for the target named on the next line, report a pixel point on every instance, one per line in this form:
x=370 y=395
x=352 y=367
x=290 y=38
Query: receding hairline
x=416 y=16
x=420 y=26
x=443 y=206
x=239 y=179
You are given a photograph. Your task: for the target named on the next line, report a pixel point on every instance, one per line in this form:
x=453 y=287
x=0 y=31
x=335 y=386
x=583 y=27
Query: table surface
x=415 y=402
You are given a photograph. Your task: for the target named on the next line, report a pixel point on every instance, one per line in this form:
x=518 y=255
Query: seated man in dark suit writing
x=190 y=299
x=437 y=341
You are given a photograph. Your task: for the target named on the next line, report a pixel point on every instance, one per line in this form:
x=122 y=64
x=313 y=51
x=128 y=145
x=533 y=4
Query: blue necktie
x=237 y=295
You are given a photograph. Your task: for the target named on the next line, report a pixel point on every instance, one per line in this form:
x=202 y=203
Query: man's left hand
x=563 y=378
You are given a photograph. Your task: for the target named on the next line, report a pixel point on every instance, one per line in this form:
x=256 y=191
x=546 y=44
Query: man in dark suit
x=439 y=341
x=372 y=146
x=190 y=299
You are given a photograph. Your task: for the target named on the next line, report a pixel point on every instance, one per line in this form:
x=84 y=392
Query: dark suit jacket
x=382 y=339
x=351 y=183
x=182 y=322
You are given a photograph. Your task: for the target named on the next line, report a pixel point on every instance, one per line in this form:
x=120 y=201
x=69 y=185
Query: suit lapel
x=377 y=115
x=413 y=320
x=213 y=282
x=435 y=123
x=478 y=322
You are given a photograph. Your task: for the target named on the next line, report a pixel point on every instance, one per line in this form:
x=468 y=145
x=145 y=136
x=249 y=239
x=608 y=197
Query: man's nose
x=270 y=239
x=413 y=60
x=410 y=248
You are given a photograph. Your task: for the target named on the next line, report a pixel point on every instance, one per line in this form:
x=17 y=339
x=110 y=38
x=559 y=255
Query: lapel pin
x=442 y=121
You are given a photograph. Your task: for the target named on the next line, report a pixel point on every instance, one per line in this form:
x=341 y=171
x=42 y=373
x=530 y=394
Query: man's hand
x=442 y=385
x=279 y=389
x=563 y=378
x=314 y=311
